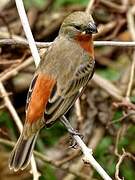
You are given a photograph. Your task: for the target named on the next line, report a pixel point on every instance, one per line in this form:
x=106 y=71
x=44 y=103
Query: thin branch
x=87 y=152
x=23 y=42
x=121 y=158
x=90 y=5
x=13 y=72
x=10 y=107
x=27 y=30
x=78 y=165
x=131 y=79
x=88 y=158
x=119 y=8
x=78 y=111
x=114 y=43
x=108 y=87
x=131 y=25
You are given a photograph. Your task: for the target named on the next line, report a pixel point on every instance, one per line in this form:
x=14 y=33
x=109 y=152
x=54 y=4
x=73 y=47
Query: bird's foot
x=71 y=131
x=73 y=142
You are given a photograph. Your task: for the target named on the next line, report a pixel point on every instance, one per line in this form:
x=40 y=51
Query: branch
x=27 y=30
x=121 y=158
x=10 y=107
x=131 y=25
x=23 y=42
x=87 y=152
x=90 y=5
x=14 y=71
x=108 y=87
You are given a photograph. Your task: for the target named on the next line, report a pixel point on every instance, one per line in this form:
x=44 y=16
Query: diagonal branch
x=27 y=30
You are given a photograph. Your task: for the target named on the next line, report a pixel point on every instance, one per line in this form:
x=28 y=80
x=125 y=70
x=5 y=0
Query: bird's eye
x=78 y=27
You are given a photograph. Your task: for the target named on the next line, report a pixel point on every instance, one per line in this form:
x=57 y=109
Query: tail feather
x=21 y=154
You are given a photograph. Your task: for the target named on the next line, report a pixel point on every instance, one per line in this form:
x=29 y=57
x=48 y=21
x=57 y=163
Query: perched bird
x=65 y=69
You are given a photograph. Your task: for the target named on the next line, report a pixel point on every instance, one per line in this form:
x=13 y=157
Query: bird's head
x=78 y=24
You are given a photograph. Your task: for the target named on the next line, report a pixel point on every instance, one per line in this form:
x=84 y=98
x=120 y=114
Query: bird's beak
x=91 y=28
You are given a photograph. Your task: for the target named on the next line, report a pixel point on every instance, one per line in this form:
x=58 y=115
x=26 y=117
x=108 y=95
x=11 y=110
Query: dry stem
x=22 y=42
x=90 y=5
x=27 y=30
x=121 y=158
x=131 y=25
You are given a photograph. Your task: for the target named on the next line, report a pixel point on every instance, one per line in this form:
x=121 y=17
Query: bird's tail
x=21 y=154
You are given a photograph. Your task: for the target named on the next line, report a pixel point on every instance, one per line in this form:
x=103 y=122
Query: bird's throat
x=86 y=42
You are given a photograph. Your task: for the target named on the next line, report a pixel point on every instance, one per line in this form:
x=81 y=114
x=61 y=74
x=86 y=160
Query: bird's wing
x=59 y=103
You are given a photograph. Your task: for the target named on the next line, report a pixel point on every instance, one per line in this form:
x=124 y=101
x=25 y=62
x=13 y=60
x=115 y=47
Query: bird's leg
x=70 y=129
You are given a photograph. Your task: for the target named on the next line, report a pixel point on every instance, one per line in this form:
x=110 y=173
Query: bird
x=61 y=76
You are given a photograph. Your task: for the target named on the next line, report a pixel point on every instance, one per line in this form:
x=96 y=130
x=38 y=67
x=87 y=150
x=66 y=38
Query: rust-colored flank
x=39 y=98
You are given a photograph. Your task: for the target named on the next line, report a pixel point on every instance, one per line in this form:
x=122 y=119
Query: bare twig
x=15 y=70
x=9 y=105
x=117 y=142
x=122 y=118
x=129 y=88
x=118 y=8
x=6 y=24
x=78 y=165
x=78 y=111
x=90 y=5
x=131 y=25
x=87 y=152
x=108 y=87
x=23 y=42
x=28 y=33
x=121 y=158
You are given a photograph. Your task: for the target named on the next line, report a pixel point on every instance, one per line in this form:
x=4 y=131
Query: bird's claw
x=73 y=133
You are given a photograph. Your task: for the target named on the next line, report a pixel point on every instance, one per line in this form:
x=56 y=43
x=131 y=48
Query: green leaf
x=118 y=114
x=5 y=118
x=132 y=98
x=51 y=135
x=127 y=169
x=48 y=173
x=110 y=74
x=102 y=148
x=36 y=3
x=59 y=3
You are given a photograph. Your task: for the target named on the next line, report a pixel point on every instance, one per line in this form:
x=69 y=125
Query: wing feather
x=55 y=109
